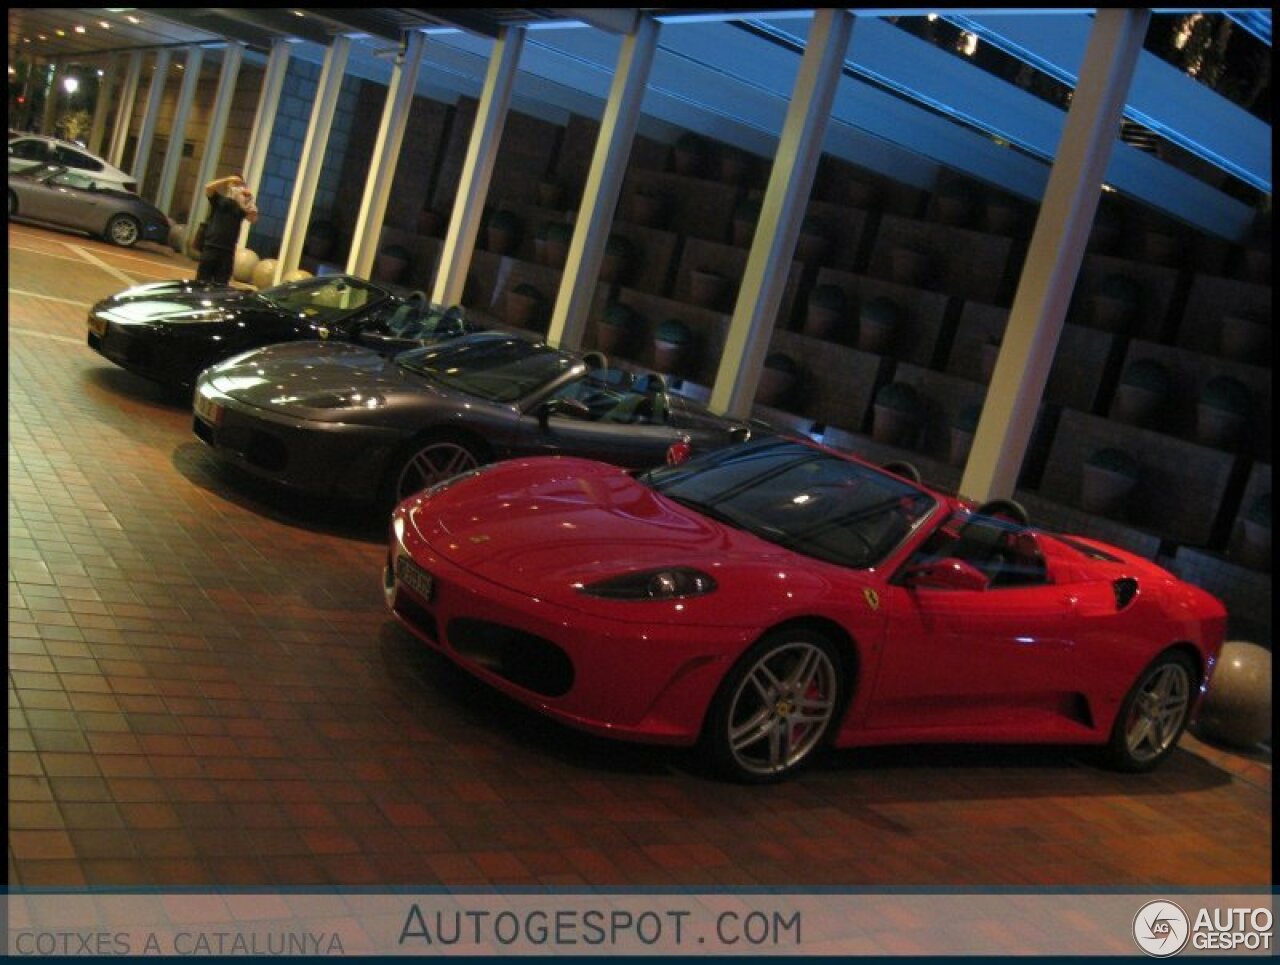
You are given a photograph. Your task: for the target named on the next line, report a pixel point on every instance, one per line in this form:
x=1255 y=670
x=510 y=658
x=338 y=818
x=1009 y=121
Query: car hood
x=544 y=527
x=313 y=379
x=176 y=301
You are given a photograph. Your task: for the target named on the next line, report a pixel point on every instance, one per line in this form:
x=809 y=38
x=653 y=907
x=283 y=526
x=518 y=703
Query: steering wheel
x=596 y=360
x=418 y=299
x=1009 y=509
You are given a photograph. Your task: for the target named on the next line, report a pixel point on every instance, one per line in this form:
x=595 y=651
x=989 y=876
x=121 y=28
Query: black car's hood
x=315 y=379
x=176 y=301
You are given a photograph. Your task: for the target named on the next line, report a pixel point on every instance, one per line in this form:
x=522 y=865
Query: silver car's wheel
x=431 y=461
x=123 y=230
x=1153 y=715
x=776 y=707
x=13 y=204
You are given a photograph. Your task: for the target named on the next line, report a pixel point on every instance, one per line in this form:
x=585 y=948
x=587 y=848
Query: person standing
x=230 y=202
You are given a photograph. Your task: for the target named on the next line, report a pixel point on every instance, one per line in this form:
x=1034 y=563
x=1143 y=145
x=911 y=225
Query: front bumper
x=147 y=350
x=320 y=458
x=636 y=680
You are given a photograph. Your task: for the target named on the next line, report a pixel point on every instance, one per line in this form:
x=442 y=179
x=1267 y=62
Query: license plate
x=415 y=577
x=208 y=410
x=97 y=325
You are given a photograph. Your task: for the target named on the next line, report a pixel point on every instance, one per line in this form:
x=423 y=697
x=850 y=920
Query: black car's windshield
x=498 y=369
x=807 y=499
x=323 y=299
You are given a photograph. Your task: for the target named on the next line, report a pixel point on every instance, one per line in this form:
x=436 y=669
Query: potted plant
x=689 y=154
x=707 y=287
x=672 y=344
x=321 y=237
x=390 y=263
x=550 y=193
x=733 y=164
x=618 y=328
x=1255 y=535
x=746 y=213
x=912 y=263
x=878 y=320
x=618 y=259
x=1114 y=305
x=1108 y=480
x=503 y=231
x=1003 y=213
x=825 y=311
x=778 y=379
x=963 y=426
x=898 y=409
x=524 y=305
x=555 y=237
x=1223 y=411
x=429 y=222
x=1145 y=388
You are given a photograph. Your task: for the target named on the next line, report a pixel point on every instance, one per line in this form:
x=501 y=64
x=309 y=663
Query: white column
x=102 y=107
x=477 y=168
x=124 y=109
x=312 y=160
x=386 y=153
x=264 y=121
x=150 y=116
x=1054 y=254
x=232 y=57
x=49 y=114
x=604 y=184
x=790 y=183
x=178 y=132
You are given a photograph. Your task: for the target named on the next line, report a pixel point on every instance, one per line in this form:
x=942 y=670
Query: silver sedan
x=69 y=199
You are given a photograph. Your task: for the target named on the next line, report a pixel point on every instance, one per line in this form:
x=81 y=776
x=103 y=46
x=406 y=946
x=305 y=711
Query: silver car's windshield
x=804 y=498
x=494 y=369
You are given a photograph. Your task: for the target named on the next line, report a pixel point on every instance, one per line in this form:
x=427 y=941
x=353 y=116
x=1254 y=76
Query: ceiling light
x=104 y=25
x=79 y=29
x=61 y=33
x=132 y=19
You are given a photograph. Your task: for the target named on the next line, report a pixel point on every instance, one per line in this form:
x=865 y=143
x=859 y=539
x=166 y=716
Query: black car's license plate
x=415 y=577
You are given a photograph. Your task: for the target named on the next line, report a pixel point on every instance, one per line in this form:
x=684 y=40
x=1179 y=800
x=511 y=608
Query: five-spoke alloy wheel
x=1153 y=715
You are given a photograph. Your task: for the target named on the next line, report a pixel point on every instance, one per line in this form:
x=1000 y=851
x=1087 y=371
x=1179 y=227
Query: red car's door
x=991 y=661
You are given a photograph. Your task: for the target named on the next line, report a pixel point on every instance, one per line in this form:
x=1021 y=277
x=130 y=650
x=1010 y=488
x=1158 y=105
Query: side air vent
x=1126 y=589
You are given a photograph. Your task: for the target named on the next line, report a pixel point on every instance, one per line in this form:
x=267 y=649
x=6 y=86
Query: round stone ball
x=245 y=265
x=264 y=274
x=298 y=274
x=1237 y=708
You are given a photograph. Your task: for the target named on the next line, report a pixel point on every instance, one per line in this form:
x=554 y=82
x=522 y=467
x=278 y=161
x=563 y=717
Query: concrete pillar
x=477 y=168
x=102 y=107
x=386 y=152
x=1054 y=255
x=150 y=116
x=124 y=109
x=304 y=189
x=178 y=132
x=604 y=184
x=264 y=120
x=785 y=198
x=232 y=57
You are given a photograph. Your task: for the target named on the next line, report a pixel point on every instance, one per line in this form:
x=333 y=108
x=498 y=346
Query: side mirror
x=573 y=408
x=947 y=574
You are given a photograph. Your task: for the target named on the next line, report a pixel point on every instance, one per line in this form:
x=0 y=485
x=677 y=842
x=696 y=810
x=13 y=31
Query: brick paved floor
x=204 y=688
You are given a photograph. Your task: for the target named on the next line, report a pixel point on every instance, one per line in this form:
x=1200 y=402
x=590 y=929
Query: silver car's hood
x=315 y=379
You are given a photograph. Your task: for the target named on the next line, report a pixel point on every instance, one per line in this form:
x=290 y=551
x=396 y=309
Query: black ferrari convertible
x=169 y=331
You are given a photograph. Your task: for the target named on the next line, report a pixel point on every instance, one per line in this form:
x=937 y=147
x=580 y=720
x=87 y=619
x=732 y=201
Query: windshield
x=807 y=499
x=322 y=299
x=496 y=369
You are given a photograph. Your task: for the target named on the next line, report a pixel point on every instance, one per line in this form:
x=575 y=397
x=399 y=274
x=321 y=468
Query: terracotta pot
x=876 y=335
x=613 y=339
x=669 y=356
x=954 y=210
x=810 y=247
x=1137 y=406
x=823 y=322
x=499 y=240
x=429 y=222
x=389 y=267
x=1218 y=427
x=893 y=427
x=775 y=386
x=1160 y=247
x=733 y=167
x=556 y=252
x=1111 y=314
x=707 y=289
x=1104 y=492
x=1003 y=217
x=522 y=310
x=648 y=210
x=613 y=268
x=863 y=194
x=550 y=194
x=744 y=233
x=910 y=266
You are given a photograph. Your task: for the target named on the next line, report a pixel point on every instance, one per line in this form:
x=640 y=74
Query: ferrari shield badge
x=872 y=598
x=322 y=332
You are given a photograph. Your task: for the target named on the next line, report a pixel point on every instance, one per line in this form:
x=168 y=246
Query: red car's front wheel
x=776 y=707
x=1153 y=715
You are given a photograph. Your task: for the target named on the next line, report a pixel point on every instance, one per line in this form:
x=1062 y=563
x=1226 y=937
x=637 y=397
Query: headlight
x=672 y=583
